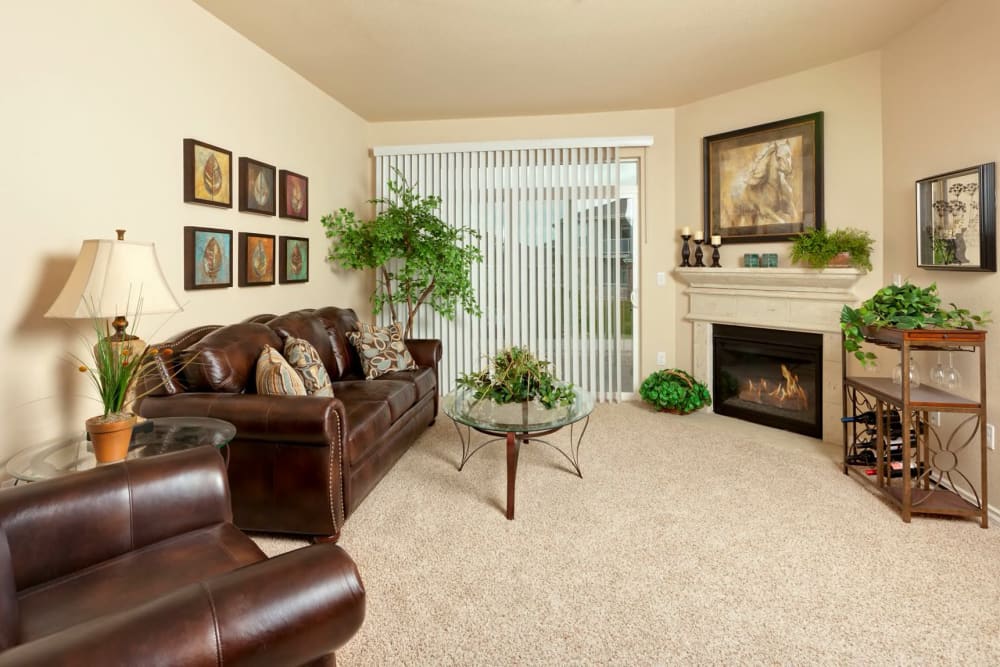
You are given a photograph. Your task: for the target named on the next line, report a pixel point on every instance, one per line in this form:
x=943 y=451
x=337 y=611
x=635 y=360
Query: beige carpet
x=689 y=540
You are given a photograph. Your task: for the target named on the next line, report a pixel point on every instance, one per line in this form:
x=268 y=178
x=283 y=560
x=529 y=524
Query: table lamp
x=108 y=278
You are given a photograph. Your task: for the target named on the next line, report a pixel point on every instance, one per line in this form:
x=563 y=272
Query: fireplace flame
x=788 y=395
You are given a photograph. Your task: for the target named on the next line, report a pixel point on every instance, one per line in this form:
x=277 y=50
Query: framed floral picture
x=294 y=195
x=208 y=258
x=765 y=183
x=256 y=259
x=257 y=180
x=293 y=267
x=956 y=220
x=208 y=174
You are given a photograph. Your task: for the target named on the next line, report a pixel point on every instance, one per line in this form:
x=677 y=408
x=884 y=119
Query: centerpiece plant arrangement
x=515 y=375
x=116 y=368
x=905 y=306
x=674 y=390
x=418 y=258
x=820 y=248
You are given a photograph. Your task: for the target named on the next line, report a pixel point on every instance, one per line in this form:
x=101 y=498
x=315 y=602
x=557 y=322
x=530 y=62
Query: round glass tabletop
x=70 y=454
x=485 y=415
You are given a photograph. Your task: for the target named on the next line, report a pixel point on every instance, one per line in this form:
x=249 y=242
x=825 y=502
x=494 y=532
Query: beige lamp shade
x=108 y=279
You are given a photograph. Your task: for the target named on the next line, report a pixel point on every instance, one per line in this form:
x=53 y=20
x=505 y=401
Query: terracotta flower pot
x=110 y=438
x=840 y=260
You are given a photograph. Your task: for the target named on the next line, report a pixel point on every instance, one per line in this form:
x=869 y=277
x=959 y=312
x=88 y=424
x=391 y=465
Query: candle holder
x=698 y=253
x=685 y=251
x=715 y=257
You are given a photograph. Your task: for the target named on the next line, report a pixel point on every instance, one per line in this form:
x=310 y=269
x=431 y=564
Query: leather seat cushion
x=366 y=422
x=422 y=378
x=400 y=395
x=133 y=579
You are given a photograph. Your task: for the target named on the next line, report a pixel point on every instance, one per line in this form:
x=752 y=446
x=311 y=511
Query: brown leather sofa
x=138 y=563
x=299 y=464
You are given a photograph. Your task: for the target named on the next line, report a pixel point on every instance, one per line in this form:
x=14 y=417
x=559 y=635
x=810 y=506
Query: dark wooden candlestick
x=698 y=253
x=685 y=251
x=715 y=257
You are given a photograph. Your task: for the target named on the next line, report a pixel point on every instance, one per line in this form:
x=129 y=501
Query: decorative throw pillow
x=304 y=358
x=275 y=377
x=381 y=349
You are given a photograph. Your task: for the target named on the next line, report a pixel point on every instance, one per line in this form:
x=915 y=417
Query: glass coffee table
x=168 y=434
x=516 y=423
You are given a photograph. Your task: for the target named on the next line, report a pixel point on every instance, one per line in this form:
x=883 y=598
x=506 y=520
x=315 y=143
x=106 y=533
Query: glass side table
x=71 y=454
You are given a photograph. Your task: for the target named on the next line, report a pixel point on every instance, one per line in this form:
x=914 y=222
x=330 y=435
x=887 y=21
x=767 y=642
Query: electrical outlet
x=935 y=419
x=991 y=432
x=661 y=358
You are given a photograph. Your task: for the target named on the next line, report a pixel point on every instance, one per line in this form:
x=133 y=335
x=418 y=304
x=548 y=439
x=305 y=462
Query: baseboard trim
x=992 y=510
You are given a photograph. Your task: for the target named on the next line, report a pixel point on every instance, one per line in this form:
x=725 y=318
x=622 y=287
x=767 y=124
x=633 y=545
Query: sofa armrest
x=425 y=351
x=288 y=610
x=68 y=523
x=300 y=419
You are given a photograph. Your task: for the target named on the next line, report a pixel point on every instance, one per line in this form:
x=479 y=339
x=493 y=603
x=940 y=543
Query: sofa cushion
x=381 y=349
x=130 y=580
x=339 y=322
x=304 y=358
x=227 y=358
x=366 y=422
x=276 y=377
x=304 y=324
x=398 y=395
x=424 y=380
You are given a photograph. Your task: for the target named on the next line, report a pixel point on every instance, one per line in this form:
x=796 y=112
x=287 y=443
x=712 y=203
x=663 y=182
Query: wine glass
x=937 y=373
x=952 y=378
x=897 y=374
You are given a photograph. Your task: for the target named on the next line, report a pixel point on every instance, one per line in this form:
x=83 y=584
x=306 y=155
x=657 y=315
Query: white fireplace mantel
x=793 y=298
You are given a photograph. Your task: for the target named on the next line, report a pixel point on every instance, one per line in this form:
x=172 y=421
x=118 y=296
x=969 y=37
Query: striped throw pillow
x=275 y=377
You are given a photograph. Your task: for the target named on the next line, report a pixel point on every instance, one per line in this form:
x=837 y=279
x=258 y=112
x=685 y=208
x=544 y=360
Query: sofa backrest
x=338 y=322
x=227 y=358
x=307 y=326
x=165 y=376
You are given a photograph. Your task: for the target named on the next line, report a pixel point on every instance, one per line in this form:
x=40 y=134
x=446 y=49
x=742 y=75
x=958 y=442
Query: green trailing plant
x=515 y=375
x=817 y=247
x=905 y=306
x=674 y=390
x=418 y=258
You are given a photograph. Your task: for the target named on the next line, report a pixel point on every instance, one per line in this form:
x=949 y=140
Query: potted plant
x=515 y=375
x=676 y=391
x=418 y=258
x=842 y=247
x=116 y=367
x=905 y=306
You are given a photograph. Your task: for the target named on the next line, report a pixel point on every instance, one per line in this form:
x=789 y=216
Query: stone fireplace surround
x=796 y=299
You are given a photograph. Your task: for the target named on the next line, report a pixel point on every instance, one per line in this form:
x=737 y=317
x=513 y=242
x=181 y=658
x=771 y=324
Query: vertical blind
x=550 y=236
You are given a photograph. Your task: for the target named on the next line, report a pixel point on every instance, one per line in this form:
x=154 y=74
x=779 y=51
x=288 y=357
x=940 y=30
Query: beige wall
x=656 y=306
x=939 y=100
x=848 y=93
x=97 y=97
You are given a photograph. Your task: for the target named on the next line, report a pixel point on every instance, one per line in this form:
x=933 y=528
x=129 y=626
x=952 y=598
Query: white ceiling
x=432 y=59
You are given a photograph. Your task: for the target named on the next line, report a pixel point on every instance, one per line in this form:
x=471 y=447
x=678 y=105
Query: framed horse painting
x=765 y=183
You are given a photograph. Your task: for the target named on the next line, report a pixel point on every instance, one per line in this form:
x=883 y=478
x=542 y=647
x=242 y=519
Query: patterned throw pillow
x=381 y=349
x=304 y=358
x=275 y=377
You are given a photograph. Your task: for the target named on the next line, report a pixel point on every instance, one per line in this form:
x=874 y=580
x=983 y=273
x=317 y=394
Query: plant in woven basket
x=515 y=375
x=674 y=390
x=905 y=306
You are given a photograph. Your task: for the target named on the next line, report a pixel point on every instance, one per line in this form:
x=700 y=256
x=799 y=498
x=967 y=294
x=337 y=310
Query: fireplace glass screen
x=769 y=376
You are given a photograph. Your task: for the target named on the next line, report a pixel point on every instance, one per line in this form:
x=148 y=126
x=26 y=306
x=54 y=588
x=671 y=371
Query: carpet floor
x=689 y=540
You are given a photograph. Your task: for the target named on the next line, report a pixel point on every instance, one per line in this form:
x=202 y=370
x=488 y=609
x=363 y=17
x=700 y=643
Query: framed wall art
x=208 y=258
x=293 y=266
x=208 y=174
x=765 y=183
x=257 y=181
x=956 y=220
x=256 y=259
x=294 y=195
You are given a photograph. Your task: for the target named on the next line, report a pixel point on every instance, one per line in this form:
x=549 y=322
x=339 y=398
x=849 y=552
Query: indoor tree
x=418 y=258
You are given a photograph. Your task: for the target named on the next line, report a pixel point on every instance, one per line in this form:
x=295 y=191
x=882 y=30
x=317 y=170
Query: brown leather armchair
x=139 y=563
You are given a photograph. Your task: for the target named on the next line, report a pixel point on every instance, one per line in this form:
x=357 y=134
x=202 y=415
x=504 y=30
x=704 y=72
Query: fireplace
x=769 y=376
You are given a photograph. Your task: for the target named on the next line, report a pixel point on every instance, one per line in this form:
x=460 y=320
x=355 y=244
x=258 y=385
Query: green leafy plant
x=818 y=246
x=515 y=375
x=674 y=390
x=418 y=258
x=905 y=306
